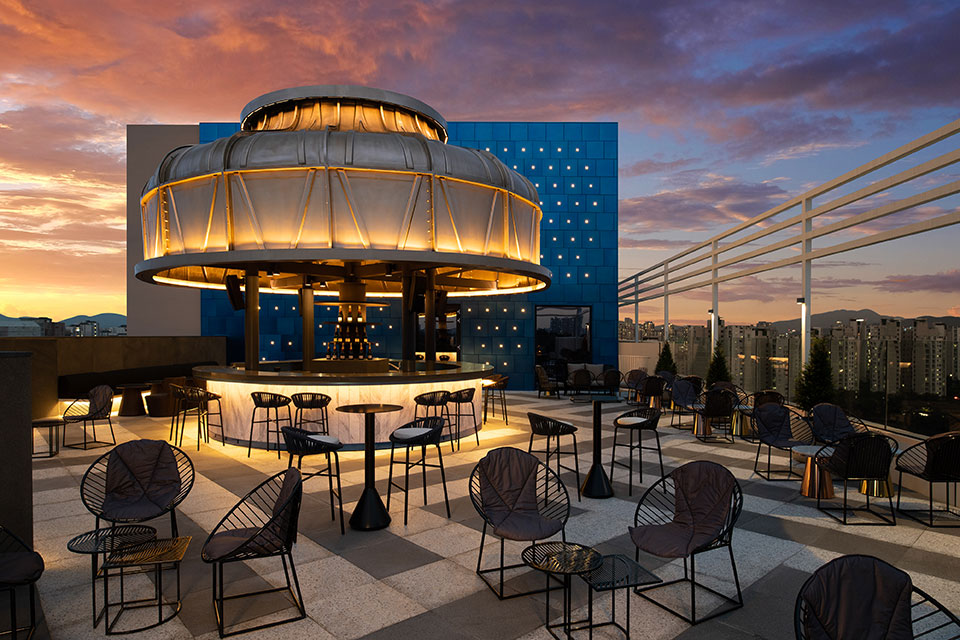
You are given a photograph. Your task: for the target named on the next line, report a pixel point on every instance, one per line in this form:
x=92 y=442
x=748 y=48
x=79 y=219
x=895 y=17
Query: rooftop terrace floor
x=418 y=581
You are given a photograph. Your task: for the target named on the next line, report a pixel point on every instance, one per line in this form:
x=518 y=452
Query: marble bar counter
x=234 y=386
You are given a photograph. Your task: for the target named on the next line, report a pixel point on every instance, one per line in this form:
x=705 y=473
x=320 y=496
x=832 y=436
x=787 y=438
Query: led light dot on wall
x=558 y=203
x=487 y=309
x=586 y=166
x=478 y=327
x=514 y=166
x=376 y=344
x=594 y=203
x=541 y=203
x=568 y=220
x=578 y=257
x=262 y=358
x=523 y=310
x=514 y=328
x=577 y=203
x=551 y=221
x=577 y=149
x=271 y=342
x=289 y=344
x=276 y=308
x=519 y=346
x=468 y=309
x=591 y=239
x=568 y=167
x=501 y=346
x=554 y=238
x=568 y=275
x=559 y=256
x=504 y=148
x=504 y=364
x=488 y=148
x=554 y=184
x=496 y=328
x=586 y=275
x=523 y=148
x=391 y=326
x=483 y=346
x=572 y=239
x=533 y=166
x=541 y=149
x=586 y=221
x=571 y=185
x=504 y=309
x=559 y=149
x=537 y=184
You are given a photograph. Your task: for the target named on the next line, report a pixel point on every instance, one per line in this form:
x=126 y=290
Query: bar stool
x=180 y=405
x=306 y=443
x=419 y=433
x=494 y=391
x=267 y=401
x=552 y=428
x=434 y=404
x=637 y=420
x=311 y=401
x=463 y=397
x=204 y=398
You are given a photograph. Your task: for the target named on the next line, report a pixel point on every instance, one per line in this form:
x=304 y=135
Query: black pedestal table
x=370 y=514
x=597 y=484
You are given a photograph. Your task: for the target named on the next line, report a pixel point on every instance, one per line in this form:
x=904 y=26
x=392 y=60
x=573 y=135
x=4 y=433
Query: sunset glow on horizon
x=725 y=109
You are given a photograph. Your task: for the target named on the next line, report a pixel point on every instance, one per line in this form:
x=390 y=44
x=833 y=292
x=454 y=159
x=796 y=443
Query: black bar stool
x=419 y=433
x=309 y=402
x=204 y=398
x=267 y=401
x=302 y=443
x=493 y=392
x=636 y=421
x=434 y=404
x=552 y=428
x=459 y=398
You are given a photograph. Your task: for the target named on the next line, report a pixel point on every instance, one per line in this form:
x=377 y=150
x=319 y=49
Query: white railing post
x=715 y=287
x=806 y=246
x=666 y=302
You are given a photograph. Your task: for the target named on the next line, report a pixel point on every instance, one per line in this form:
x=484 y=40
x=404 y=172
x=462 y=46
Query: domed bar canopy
x=327 y=184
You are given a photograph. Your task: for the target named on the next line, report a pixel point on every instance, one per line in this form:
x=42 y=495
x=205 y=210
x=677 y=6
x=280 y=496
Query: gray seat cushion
x=225 y=543
x=632 y=421
x=19 y=567
x=330 y=440
x=142 y=481
x=409 y=433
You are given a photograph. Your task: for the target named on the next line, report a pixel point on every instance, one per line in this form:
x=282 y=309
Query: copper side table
x=817 y=481
x=369 y=514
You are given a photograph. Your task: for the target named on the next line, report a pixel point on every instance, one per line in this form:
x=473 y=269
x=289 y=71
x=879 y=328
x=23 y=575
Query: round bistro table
x=596 y=484
x=369 y=514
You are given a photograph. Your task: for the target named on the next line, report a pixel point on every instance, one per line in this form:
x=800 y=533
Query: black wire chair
x=936 y=459
x=20 y=566
x=683 y=400
x=96 y=407
x=715 y=410
x=422 y=432
x=831 y=424
x=262 y=525
x=748 y=428
x=549 y=428
x=862 y=456
x=519 y=498
x=300 y=443
x=137 y=481
x=688 y=512
x=609 y=381
x=779 y=427
x=631 y=382
x=639 y=420
x=580 y=381
x=544 y=384
x=311 y=402
x=650 y=392
x=860 y=596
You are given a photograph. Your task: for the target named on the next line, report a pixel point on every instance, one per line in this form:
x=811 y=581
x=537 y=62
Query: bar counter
x=234 y=385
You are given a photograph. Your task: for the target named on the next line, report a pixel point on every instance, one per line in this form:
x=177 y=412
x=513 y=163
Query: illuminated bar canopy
x=324 y=183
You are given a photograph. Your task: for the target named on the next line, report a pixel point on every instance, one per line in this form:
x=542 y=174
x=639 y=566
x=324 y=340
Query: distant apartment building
x=747 y=350
x=882 y=353
x=85 y=329
x=929 y=357
x=690 y=346
x=19 y=328
x=846 y=354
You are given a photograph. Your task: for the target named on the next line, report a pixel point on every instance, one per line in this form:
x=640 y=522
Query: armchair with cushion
x=858 y=596
x=262 y=525
x=631 y=382
x=690 y=511
x=137 y=481
x=98 y=406
x=715 y=410
x=783 y=428
x=519 y=498
x=936 y=459
x=831 y=424
x=651 y=392
x=862 y=456
x=683 y=399
x=544 y=383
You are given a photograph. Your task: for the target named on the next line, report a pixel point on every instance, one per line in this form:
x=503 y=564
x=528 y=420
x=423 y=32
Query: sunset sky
x=725 y=109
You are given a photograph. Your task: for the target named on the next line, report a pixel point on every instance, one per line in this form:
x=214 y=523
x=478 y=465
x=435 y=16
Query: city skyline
x=725 y=110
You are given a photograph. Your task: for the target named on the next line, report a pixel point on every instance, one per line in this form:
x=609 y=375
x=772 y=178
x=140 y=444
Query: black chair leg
x=390 y=475
x=443 y=479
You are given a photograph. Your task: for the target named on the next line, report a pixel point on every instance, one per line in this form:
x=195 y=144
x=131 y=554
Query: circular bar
x=235 y=384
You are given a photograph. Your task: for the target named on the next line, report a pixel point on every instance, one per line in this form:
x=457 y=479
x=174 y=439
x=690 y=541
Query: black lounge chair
x=715 y=409
x=609 y=382
x=631 y=383
x=936 y=459
x=690 y=511
x=422 y=432
x=639 y=420
x=519 y=498
x=831 y=424
x=300 y=443
x=137 y=481
x=20 y=566
x=98 y=405
x=544 y=383
x=748 y=428
x=783 y=428
x=862 y=456
x=683 y=400
x=262 y=525
x=858 y=596
x=580 y=382
x=549 y=428
x=651 y=392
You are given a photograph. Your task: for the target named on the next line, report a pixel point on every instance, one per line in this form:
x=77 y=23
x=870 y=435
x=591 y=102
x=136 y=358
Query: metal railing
x=700 y=265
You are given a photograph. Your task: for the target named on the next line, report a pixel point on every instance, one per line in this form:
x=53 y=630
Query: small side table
x=816 y=481
x=146 y=556
x=104 y=541
x=52 y=425
x=564 y=559
x=131 y=402
x=616 y=572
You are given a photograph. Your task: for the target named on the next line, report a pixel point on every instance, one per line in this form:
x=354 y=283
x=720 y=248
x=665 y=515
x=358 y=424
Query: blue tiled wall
x=574 y=167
